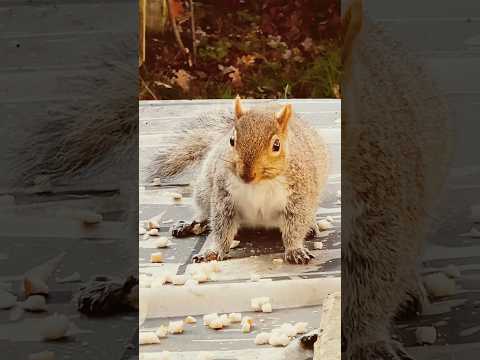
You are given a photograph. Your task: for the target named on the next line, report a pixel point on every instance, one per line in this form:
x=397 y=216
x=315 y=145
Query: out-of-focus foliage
x=259 y=49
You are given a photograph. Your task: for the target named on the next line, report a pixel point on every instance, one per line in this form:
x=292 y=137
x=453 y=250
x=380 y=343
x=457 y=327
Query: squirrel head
x=259 y=142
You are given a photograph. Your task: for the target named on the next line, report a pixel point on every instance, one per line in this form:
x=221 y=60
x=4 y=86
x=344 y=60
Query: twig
x=141 y=29
x=176 y=32
x=194 y=37
x=147 y=88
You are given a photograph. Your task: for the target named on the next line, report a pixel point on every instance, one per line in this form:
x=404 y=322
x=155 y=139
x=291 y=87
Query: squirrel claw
x=205 y=257
x=299 y=256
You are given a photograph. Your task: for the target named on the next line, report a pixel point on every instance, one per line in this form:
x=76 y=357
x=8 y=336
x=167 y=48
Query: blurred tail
x=191 y=144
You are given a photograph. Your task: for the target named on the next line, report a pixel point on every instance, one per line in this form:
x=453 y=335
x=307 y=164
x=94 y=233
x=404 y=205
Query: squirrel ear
x=284 y=116
x=238 y=107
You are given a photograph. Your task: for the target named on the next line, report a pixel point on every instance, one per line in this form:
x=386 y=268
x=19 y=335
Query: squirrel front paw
x=209 y=255
x=298 y=256
x=183 y=229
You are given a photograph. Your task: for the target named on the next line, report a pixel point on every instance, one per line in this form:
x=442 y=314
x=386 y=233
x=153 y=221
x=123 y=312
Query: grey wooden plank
x=412 y=9
x=62 y=52
x=191 y=340
x=49 y=18
x=455 y=75
x=46 y=85
x=433 y=35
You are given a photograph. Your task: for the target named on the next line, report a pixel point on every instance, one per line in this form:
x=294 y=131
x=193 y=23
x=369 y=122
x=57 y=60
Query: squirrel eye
x=276 y=145
x=232 y=141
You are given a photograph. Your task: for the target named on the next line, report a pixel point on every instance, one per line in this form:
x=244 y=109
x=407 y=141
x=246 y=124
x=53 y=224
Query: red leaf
x=176 y=7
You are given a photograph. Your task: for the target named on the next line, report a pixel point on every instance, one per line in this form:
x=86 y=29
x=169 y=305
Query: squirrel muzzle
x=248 y=175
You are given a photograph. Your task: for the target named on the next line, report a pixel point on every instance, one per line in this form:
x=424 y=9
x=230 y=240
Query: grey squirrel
x=265 y=167
x=395 y=157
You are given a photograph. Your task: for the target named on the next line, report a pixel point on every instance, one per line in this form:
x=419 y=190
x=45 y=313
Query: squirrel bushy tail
x=190 y=145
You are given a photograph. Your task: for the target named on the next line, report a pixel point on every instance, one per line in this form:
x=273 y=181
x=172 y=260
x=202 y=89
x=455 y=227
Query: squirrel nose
x=248 y=176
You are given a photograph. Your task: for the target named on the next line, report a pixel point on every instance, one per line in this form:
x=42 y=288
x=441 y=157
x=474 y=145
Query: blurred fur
x=395 y=157
x=87 y=137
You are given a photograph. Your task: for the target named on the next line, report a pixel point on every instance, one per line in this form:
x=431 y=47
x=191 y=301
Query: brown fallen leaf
x=236 y=78
x=247 y=59
x=182 y=78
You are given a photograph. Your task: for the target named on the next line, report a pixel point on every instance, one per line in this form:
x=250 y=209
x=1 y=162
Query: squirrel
x=396 y=149
x=260 y=168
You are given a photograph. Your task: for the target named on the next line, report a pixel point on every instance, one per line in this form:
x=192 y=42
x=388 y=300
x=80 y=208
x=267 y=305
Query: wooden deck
x=232 y=291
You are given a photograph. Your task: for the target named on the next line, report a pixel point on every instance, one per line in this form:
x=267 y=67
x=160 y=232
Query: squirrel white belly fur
x=262 y=167
x=259 y=205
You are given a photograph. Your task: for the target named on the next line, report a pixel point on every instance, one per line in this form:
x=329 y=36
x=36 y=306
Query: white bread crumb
x=208 y=318
x=235 y=317
x=33 y=286
x=54 y=327
x=235 y=243
x=324 y=225
x=426 y=335
x=176 y=196
x=301 y=327
x=267 y=308
x=35 y=303
x=156 y=257
x=288 y=329
x=175 y=327
x=162 y=242
x=278 y=339
x=317 y=245
x=179 y=279
x=190 y=320
x=277 y=261
x=262 y=339
x=153 y=232
x=216 y=324
x=257 y=303
x=153 y=224
x=439 y=284
x=211 y=267
x=162 y=332
x=147 y=338
x=225 y=320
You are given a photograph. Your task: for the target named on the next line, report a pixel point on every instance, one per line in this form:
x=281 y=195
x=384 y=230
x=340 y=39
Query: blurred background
x=259 y=49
